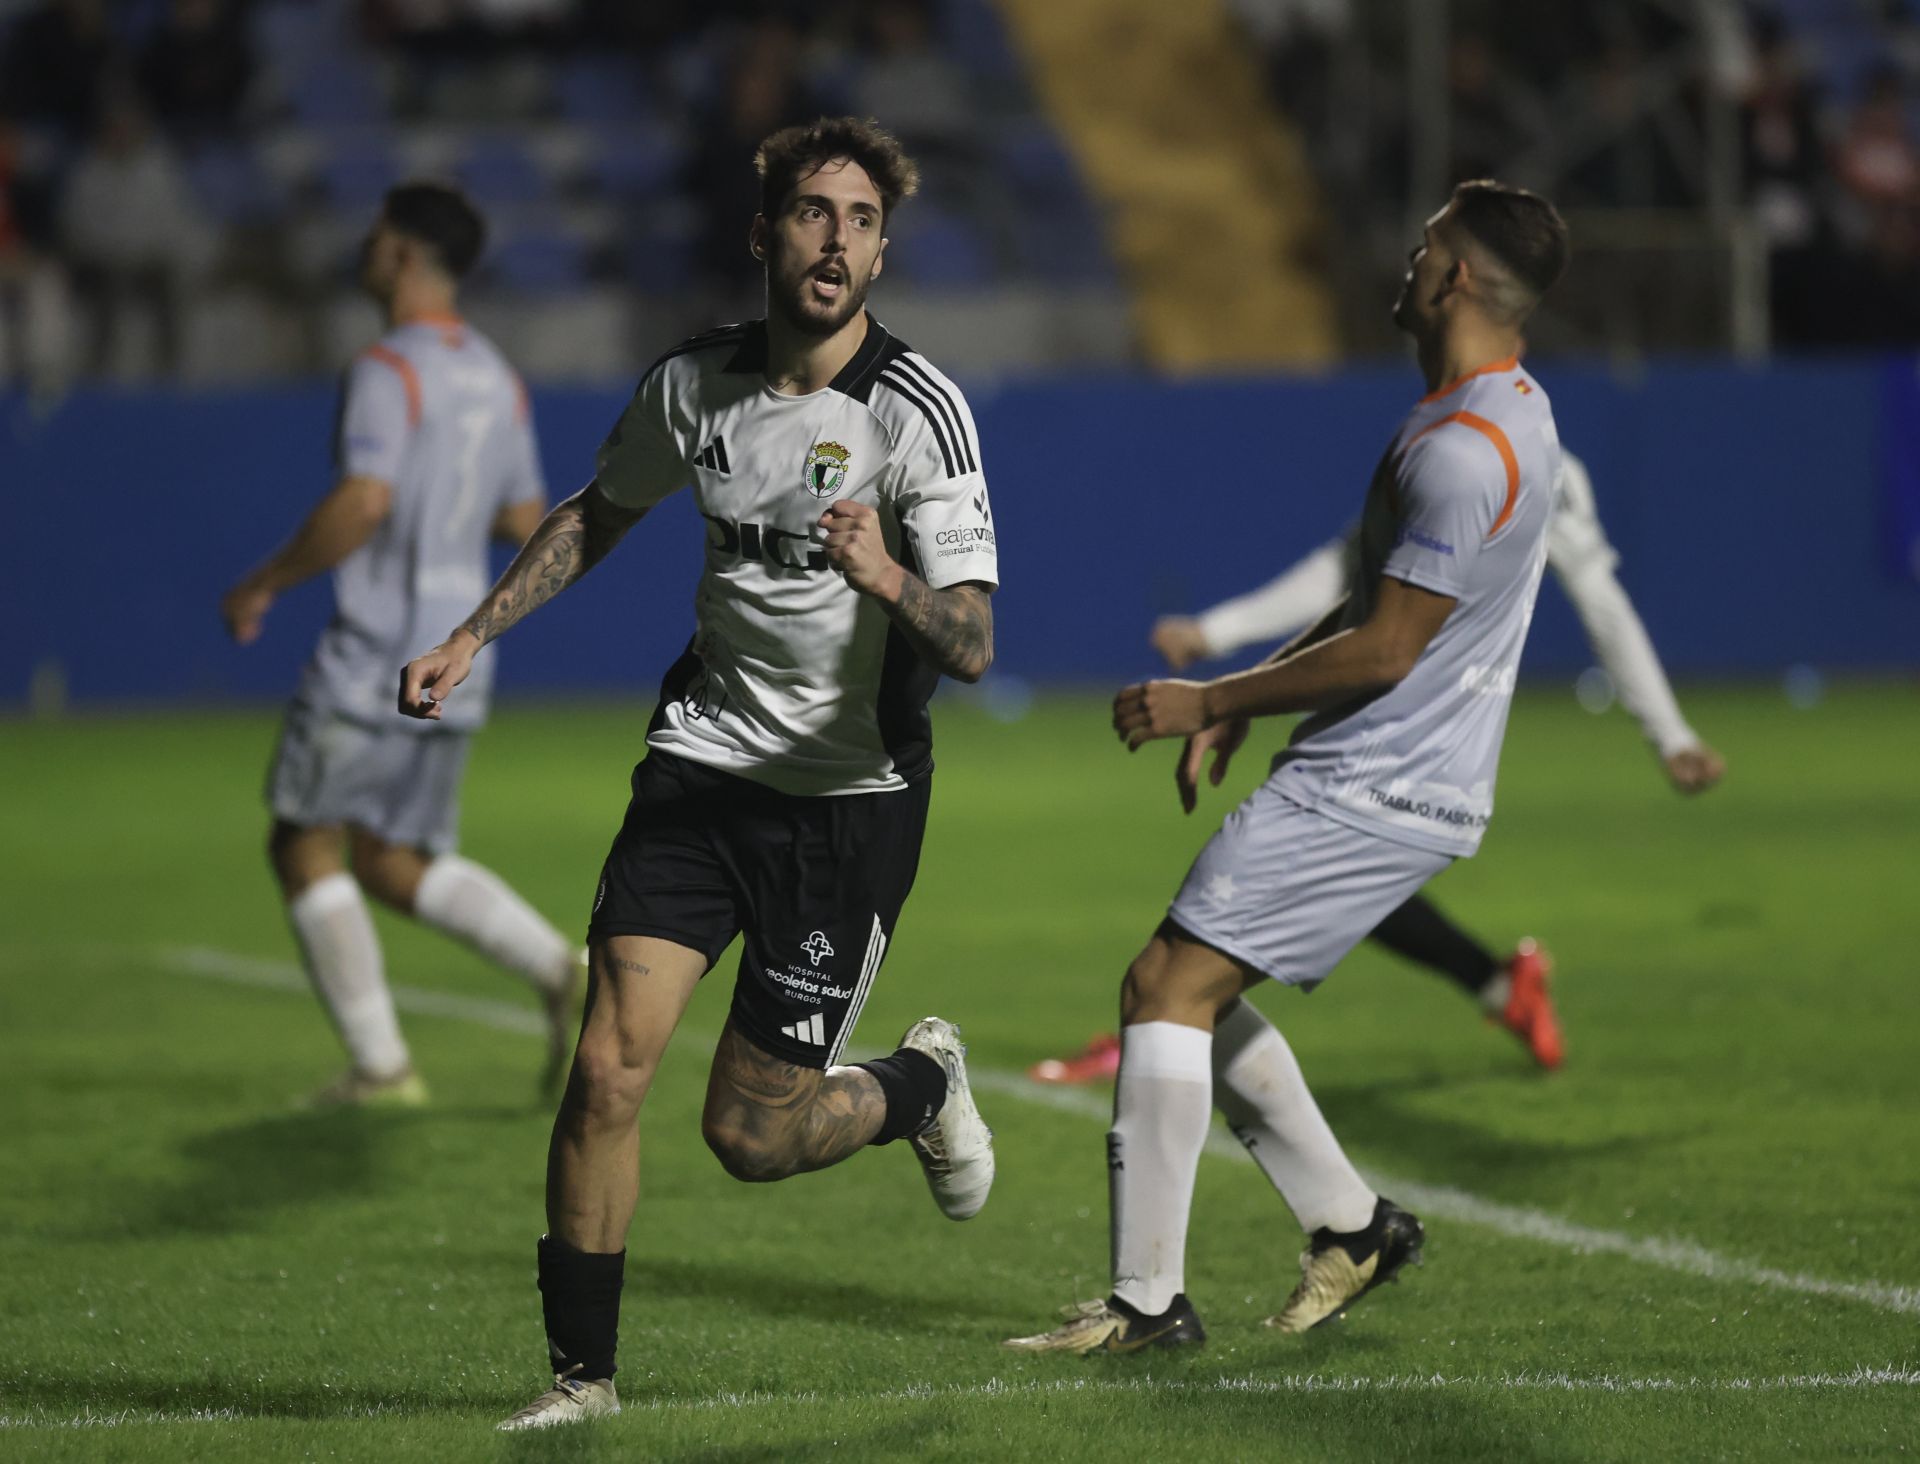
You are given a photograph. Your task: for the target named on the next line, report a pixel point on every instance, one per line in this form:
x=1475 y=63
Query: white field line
x=1447 y=1203
x=1430 y=1201
x=1285 y=1383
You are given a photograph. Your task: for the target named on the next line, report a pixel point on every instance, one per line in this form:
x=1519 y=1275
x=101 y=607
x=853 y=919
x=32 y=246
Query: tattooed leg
x=767 y=1118
x=638 y=987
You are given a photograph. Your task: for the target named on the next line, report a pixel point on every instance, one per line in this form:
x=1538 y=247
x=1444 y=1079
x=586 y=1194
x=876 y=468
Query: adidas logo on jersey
x=813 y=1031
x=714 y=456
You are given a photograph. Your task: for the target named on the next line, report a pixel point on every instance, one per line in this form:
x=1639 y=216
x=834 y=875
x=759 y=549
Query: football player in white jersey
x=850 y=560
x=436 y=458
x=1512 y=991
x=1387 y=782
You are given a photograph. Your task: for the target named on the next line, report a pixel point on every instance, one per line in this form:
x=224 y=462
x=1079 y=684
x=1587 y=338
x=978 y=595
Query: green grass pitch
x=1697 y=1242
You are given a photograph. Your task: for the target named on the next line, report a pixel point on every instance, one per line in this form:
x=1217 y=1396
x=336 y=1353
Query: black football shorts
x=816 y=883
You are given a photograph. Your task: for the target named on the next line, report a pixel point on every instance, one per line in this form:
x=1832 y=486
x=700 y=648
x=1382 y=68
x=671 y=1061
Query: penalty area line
x=1431 y=1201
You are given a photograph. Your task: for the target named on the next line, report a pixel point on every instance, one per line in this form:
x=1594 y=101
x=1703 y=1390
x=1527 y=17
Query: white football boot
x=956 y=1150
x=569 y=1400
x=357 y=1089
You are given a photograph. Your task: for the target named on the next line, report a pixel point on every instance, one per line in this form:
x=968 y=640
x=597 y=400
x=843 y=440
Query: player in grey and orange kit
x=436 y=459
x=1512 y=991
x=1390 y=778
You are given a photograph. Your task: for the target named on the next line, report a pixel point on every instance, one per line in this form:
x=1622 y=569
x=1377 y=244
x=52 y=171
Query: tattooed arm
x=951 y=628
x=575 y=536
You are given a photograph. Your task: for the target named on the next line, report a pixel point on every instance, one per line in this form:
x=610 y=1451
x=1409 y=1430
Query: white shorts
x=1288 y=892
x=401 y=785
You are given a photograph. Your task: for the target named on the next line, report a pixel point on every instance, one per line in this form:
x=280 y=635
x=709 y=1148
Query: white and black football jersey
x=793 y=679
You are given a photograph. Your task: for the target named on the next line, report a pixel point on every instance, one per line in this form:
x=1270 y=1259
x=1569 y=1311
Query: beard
x=1404 y=316
x=790 y=291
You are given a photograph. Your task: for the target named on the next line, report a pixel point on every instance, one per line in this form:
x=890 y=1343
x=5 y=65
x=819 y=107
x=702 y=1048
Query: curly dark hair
x=794 y=153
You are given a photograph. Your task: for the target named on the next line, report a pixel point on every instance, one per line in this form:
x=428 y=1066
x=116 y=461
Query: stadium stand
x=610 y=149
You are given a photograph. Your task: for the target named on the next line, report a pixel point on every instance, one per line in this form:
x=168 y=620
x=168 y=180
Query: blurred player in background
x=1512 y=991
x=850 y=563
x=436 y=459
x=1409 y=681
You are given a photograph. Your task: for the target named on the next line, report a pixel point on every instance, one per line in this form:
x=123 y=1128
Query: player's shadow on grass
x=1378 y=1121
x=238 y=1392
x=781 y=1294
x=237 y=1176
x=905 y=1438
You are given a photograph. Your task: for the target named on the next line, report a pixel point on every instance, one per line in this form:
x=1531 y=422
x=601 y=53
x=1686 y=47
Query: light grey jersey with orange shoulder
x=435 y=412
x=1459 y=506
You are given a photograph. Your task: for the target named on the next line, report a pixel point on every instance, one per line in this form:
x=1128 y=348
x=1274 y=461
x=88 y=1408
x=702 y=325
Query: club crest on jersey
x=826 y=470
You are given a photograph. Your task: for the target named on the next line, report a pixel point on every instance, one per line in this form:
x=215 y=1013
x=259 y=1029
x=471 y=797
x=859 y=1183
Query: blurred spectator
x=1786 y=176
x=1785 y=159
x=764 y=89
x=56 y=64
x=197 y=67
x=35 y=318
x=1298 y=38
x=131 y=229
x=1876 y=299
x=451 y=28
x=1877 y=160
x=1636 y=168
x=1488 y=126
x=905 y=80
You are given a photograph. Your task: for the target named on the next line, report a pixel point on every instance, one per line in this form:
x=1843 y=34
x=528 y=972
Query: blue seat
x=974 y=35
x=229 y=183
x=497 y=170
x=356 y=175
x=335 y=90
x=601 y=90
x=291 y=33
x=941 y=251
x=1037 y=163
x=1066 y=243
x=658 y=262
x=637 y=161
x=539 y=262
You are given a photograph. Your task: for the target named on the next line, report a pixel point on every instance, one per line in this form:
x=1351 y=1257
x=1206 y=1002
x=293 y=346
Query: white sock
x=476 y=907
x=342 y=957
x=1495 y=994
x=1259 y=1088
x=1161 y=1109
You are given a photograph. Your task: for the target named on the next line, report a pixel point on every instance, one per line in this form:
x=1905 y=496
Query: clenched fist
x=857 y=547
x=1159 y=709
x=426 y=680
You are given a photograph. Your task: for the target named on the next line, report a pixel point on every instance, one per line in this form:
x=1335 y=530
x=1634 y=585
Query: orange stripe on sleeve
x=409 y=378
x=1491 y=431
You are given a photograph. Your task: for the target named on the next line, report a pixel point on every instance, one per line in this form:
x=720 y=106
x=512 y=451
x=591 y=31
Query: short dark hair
x=1517 y=227
x=441 y=217
x=794 y=153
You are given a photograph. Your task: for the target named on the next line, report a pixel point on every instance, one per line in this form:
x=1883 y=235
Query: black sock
x=914 y=1086
x=1421 y=933
x=580 y=1295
